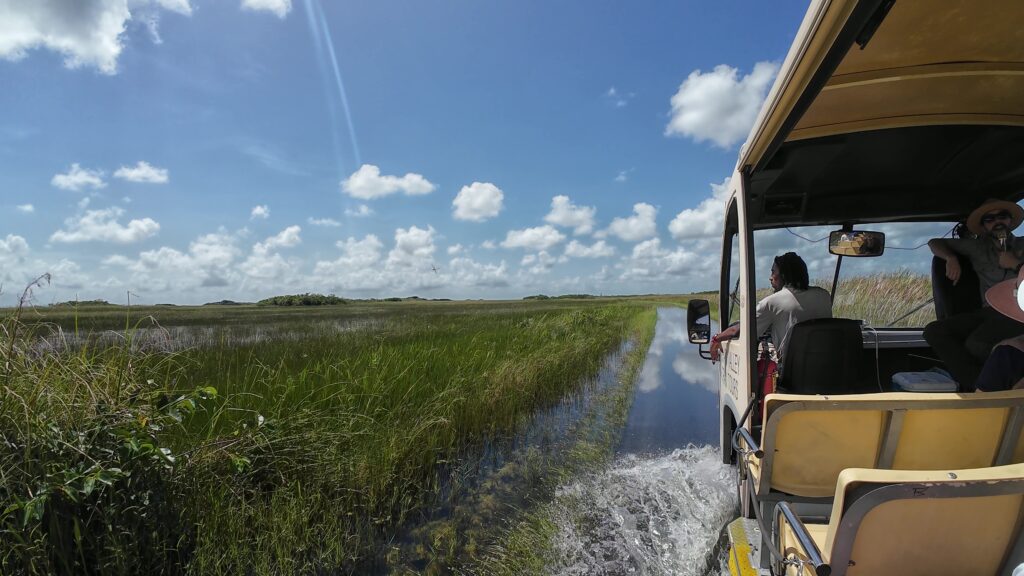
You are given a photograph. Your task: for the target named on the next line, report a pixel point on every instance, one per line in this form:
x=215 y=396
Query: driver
x=963 y=341
x=792 y=301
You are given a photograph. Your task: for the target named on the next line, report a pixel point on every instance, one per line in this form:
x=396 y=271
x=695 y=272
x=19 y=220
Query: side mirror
x=698 y=321
x=858 y=244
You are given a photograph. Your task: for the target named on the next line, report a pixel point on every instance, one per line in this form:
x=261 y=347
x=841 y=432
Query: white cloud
x=616 y=98
x=142 y=172
x=358 y=268
x=623 y=175
x=649 y=261
x=85 y=32
x=488 y=245
x=598 y=250
x=367 y=183
x=361 y=211
x=455 y=249
x=719 y=106
x=324 y=222
x=538 y=263
x=637 y=227
x=279 y=8
x=78 y=178
x=13 y=249
x=261 y=211
x=266 y=264
x=414 y=246
x=287 y=238
x=478 y=202
x=565 y=213
x=467 y=272
x=102 y=226
x=533 y=239
x=26 y=208
x=704 y=221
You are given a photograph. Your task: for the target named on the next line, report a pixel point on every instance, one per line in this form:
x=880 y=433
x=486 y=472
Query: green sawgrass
x=249 y=455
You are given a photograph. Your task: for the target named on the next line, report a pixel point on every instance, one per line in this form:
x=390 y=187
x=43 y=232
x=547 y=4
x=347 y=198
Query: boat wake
x=659 y=516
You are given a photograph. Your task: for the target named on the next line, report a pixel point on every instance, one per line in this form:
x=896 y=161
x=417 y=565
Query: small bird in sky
x=434 y=268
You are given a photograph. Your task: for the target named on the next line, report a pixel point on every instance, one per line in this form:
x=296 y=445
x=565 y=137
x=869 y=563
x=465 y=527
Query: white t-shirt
x=782 y=310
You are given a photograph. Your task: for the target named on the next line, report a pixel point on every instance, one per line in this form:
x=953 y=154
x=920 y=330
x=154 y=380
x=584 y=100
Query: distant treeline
x=546 y=297
x=303 y=300
x=81 y=303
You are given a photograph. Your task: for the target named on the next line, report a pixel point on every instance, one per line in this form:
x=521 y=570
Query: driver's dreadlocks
x=793 y=270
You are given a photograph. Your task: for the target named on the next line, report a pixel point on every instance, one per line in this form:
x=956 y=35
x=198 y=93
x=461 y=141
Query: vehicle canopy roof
x=891 y=111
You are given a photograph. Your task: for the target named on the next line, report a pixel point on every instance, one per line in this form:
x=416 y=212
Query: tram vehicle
x=883 y=112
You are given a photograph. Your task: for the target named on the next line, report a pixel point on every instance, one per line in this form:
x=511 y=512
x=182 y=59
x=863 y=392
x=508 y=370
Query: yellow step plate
x=744 y=548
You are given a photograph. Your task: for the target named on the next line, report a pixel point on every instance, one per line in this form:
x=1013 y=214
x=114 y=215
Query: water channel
x=655 y=508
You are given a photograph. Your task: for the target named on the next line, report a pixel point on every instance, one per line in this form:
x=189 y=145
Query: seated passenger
x=1004 y=368
x=964 y=341
x=793 y=301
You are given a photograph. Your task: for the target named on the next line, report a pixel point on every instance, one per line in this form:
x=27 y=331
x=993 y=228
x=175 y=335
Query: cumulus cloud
x=478 y=202
x=13 y=249
x=323 y=222
x=649 y=261
x=287 y=238
x=413 y=246
x=266 y=264
x=356 y=255
x=78 y=178
x=279 y=8
x=704 y=221
x=538 y=263
x=367 y=183
x=455 y=249
x=262 y=211
x=361 y=211
x=533 y=239
x=102 y=226
x=719 y=105
x=599 y=249
x=468 y=272
x=565 y=213
x=26 y=208
x=142 y=172
x=637 y=227
x=85 y=32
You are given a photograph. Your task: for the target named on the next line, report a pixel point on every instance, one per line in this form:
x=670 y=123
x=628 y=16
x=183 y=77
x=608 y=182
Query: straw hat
x=974 y=220
x=1007 y=298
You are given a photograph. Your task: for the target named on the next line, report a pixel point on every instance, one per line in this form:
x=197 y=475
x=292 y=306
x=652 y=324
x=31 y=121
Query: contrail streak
x=316 y=14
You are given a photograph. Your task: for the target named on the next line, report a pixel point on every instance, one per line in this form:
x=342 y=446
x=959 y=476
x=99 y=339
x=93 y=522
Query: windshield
x=889 y=291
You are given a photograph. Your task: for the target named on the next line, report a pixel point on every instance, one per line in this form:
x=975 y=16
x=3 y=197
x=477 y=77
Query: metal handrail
x=821 y=568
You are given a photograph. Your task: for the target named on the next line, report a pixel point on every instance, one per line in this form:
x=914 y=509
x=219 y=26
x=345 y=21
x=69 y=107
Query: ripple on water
x=646 y=515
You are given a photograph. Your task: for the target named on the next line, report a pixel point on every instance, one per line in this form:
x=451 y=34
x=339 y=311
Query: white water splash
x=653 y=516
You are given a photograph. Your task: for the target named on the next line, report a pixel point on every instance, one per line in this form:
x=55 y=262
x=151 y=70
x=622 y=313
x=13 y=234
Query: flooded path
x=659 y=508
x=676 y=400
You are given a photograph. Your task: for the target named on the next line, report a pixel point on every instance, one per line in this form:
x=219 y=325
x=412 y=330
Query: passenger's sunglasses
x=992 y=217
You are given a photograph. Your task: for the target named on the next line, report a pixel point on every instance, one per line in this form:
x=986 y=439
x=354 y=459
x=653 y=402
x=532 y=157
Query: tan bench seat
x=807 y=441
x=911 y=523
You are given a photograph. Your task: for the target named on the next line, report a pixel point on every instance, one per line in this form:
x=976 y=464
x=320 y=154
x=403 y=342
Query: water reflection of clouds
x=670 y=337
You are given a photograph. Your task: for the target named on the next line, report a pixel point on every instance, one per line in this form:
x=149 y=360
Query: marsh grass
x=267 y=456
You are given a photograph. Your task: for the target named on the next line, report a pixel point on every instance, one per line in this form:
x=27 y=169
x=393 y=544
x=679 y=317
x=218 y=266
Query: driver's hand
x=716 y=349
x=953 y=269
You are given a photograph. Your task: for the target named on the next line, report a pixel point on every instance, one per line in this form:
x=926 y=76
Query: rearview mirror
x=698 y=321
x=858 y=243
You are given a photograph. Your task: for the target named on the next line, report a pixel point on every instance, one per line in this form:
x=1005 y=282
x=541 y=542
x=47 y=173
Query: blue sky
x=190 y=150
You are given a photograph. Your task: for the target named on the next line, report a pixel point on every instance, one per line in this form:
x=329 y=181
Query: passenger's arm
x=941 y=248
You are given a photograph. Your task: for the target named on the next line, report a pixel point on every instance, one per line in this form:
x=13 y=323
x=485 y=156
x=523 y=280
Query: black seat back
x=823 y=357
x=950 y=299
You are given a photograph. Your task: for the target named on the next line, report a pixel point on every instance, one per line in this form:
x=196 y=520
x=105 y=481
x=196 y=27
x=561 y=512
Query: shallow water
x=660 y=507
x=676 y=400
